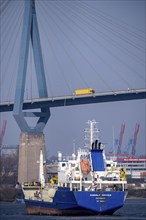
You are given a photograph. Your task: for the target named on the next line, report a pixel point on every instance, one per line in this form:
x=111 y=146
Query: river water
x=134 y=209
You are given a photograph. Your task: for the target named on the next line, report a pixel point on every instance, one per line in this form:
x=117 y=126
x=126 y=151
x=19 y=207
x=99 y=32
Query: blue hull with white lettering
x=67 y=202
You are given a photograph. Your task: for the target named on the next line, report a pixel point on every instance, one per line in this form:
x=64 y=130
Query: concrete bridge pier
x=32 y=137
x=29 y=156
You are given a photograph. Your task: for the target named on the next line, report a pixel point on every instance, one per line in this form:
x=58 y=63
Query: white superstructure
x=83 y=171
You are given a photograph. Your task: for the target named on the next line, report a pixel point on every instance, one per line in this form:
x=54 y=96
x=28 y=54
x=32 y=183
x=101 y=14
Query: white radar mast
x=91 y=133
x=41 y=173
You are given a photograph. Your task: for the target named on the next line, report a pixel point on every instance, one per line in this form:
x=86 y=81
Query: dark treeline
x=8 y=169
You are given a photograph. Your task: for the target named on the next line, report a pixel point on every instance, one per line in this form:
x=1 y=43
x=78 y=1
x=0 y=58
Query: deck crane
x=120 y=139
x=137 y=126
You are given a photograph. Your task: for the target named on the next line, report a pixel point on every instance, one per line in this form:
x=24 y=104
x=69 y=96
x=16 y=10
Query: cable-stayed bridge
x=51 y=48
x=84 y=45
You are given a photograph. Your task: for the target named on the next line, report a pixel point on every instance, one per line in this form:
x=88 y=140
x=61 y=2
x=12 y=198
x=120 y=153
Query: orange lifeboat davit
x=85 y=166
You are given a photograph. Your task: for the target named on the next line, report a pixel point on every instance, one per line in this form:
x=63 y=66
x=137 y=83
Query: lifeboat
x=85 y=166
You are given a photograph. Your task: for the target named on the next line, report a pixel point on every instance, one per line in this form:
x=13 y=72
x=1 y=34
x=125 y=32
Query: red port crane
x=137 y=126
x=120 y=139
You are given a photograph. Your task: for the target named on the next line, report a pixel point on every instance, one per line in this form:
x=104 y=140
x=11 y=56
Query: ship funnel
x=97 y=159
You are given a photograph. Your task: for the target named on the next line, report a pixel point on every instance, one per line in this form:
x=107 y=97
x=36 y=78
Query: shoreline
x=133 y=197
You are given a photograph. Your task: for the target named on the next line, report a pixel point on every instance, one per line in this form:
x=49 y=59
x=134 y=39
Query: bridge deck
x=59 y=101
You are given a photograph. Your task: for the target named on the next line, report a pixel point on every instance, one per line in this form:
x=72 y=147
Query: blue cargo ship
x=88 y=183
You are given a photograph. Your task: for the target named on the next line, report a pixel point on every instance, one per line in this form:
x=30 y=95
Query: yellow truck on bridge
x=84 y=91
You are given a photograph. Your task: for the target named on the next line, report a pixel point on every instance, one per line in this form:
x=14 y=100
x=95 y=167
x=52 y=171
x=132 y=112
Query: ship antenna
x=41 y=173
x=91 y=133
x=74 y=146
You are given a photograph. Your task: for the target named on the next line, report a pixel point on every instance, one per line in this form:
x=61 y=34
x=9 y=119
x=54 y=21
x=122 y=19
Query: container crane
x=137 y=126
x=132 y=143
x=117 y=143
x=127 y=149
x=120 y=139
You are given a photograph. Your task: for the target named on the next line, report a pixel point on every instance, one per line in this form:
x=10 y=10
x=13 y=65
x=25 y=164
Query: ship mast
x=41 y=173
x=91 y=133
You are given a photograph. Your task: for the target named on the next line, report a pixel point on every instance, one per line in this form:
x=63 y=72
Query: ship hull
x=78 y=203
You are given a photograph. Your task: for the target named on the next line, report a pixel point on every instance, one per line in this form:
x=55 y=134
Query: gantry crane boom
x=121 y=139
x=137 y=126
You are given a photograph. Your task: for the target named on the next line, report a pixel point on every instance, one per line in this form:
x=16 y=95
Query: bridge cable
x=133 y=70
x=48 y=79
x=90 y=49
x=118 y=22
x=67 y=54
x=6 y=50
x=93 y=51
x=113 y=22
x=16 y=61
x=71 y=60
x=115 y=56
x=11 y=53
x=57 y=61
x=3 y=6
x=94 y=19
x=114 y=42
x=80 y=52
x=11 y=27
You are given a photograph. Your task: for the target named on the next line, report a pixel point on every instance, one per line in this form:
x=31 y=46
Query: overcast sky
x=97 y=44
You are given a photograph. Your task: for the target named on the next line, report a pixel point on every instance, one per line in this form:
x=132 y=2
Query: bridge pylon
x=31 y=138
